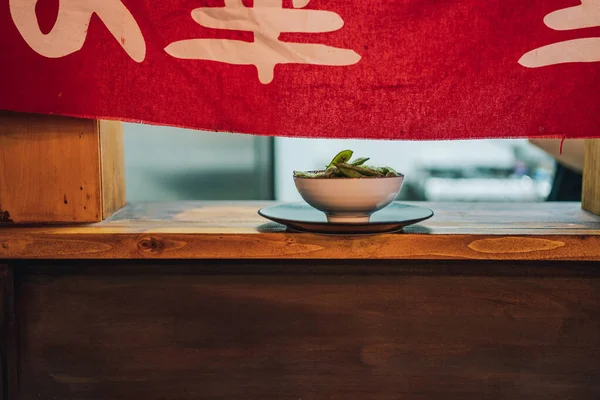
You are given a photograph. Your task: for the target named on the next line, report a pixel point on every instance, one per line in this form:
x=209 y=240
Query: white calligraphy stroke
x=70 y=30
x=585 y=15
x=267 y=20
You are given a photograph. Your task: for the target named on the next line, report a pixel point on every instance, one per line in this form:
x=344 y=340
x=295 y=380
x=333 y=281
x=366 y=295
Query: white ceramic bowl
x=349 y=200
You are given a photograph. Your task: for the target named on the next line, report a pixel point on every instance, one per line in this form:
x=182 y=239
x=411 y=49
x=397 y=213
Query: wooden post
x=58 y=169
x=590 y=200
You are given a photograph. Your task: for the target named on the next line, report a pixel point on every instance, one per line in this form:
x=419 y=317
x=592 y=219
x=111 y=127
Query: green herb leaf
x=360 y=161
x=341 y=157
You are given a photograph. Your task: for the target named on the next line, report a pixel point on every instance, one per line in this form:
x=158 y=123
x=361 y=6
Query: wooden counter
x=205 y=230
x=211 y=301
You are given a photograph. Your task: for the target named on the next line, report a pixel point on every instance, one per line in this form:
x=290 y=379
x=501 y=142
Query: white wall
x=404 y=156
x=168 y=164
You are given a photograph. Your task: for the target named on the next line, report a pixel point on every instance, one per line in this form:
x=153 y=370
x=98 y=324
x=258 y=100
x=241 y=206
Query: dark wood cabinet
x=208 y=301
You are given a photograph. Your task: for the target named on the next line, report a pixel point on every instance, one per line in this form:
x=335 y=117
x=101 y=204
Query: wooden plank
x=52 y=169
x=53 y=269
x=591 y=177
x=112 y=166
x=292 y=246
x=8 y=335
x=338 y=336
x=450 y=218
x=241 y=218
x=201 y=230
x=3 y=318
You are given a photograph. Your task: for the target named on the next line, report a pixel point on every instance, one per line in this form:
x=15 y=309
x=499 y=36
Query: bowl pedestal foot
x=348 y=219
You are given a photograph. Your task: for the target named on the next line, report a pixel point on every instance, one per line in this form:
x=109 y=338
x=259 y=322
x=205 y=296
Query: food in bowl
x=349 y=191
x=342 y=167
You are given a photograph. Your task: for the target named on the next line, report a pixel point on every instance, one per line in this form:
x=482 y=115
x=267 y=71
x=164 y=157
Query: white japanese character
x=585 y=15
x=71 y=27
x=267 y=20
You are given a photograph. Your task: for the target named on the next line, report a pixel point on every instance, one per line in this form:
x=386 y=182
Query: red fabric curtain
x=393 y=69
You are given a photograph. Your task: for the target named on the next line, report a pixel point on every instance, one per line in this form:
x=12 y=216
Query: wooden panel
x=450 y=218
x=338 y=336
x=3 y=331
x=58 y=169
x=8 y=343
x=292 y=246
x=113 y=166
x=50 y=169
x=551 y=231
x=591 y=177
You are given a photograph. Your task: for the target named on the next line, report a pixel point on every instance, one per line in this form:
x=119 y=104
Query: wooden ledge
x=220 y=230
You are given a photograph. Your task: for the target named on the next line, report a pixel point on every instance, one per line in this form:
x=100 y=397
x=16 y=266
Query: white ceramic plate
x=302 y=217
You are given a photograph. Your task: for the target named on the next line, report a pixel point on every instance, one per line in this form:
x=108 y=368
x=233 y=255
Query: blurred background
x=166 y=164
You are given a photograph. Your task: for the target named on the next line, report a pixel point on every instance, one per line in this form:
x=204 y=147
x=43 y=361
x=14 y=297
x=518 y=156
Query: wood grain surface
x=8 y=336
x=112 y=164
x=59 y=170
x=218 y=230
x=3 y=330
x=590 y=199
x=49 y=169
x=343 y=336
